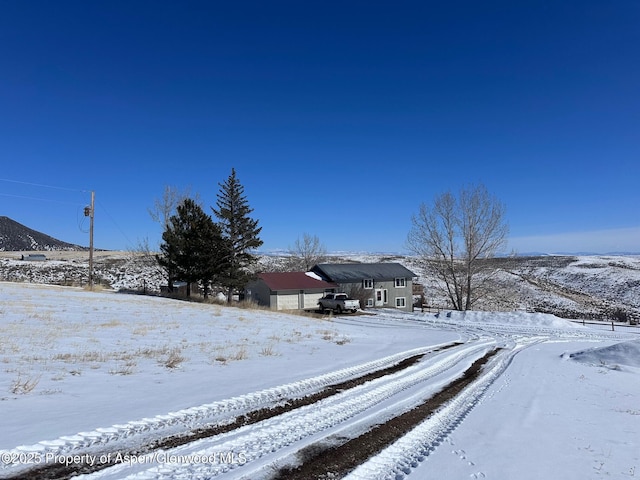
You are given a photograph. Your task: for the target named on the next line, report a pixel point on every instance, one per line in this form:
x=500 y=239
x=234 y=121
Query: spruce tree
x=193 y=249
x=240 y=231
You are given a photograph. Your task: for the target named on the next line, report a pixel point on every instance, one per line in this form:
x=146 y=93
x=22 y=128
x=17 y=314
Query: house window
x=369 y=302
x=367 y=283
x=400 y=302
x=400 y=283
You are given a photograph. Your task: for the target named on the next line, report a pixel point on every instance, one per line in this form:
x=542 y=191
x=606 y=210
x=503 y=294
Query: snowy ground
x=86 y=373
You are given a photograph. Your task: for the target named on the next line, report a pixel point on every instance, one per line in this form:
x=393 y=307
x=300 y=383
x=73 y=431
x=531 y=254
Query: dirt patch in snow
x=321 y=461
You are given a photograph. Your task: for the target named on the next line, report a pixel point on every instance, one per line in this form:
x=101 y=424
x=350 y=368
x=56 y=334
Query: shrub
x=618 y=314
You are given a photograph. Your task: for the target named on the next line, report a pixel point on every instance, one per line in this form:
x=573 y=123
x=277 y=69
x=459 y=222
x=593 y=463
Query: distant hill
x=16 y=237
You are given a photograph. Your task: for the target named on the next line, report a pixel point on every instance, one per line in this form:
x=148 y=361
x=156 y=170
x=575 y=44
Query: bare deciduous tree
x=143 y=254
x=306 y=253
x=358 y=292
x=163 y=208
x=454 y=237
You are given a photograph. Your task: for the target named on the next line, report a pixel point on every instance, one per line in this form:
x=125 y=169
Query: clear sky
x=340 y=118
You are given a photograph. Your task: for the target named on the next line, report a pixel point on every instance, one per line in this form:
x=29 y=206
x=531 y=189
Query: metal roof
x=293 y=281
x=356 y=272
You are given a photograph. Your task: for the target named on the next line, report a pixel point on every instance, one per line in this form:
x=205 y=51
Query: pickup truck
x=340 y=302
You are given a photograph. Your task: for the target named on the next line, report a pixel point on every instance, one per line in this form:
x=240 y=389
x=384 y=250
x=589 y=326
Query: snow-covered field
x=89 y=374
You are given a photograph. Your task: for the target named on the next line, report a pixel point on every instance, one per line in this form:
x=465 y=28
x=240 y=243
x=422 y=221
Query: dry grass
x=312 y=314
x=22 y=386
x=268 y=351
x=125 y=361
x=240 y=354
x=82 y=357
x=125 y=368
x=332 y=336
x=250 y=305
x=327 y=335
x=96 y=287
x=174 y=358
x=88 y=337
x=111 y=323
x=46 y=317
x=295 y=337
x=227 y=353
x=142 y=330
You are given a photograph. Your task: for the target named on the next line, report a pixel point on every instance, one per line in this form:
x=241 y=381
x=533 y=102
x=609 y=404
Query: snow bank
x=513 y=318
x=626 y=353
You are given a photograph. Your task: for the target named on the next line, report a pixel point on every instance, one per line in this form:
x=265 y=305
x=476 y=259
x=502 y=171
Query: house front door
x=379 y=297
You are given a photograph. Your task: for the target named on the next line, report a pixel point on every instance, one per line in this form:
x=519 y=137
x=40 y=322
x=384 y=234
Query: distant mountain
x=16 y=237
x=576 y=254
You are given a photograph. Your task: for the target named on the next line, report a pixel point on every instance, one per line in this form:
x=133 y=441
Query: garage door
x=288 y=301
x=311 y=300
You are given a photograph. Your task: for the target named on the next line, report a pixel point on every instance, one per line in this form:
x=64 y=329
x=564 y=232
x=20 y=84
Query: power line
x=43 y=185
x=80 y=220
x=39 y=199
x=102 y=207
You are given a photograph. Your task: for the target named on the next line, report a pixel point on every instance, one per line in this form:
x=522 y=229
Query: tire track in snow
x=275 y=434
x=406 y=454
x=137 y=433
x=322 y=459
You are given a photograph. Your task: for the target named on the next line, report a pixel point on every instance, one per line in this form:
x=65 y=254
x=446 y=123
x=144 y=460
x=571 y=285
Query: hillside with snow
x=17 y=237
x=592 y=287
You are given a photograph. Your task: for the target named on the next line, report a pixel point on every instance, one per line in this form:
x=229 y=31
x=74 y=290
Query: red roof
x=293 y=281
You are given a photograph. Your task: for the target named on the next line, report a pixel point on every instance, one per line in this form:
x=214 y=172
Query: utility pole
x=89 y=212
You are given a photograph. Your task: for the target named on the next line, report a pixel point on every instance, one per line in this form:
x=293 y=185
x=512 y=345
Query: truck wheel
x=339 y=309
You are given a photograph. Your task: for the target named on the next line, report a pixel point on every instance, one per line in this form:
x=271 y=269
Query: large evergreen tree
x=192 y=249
x=240 y=230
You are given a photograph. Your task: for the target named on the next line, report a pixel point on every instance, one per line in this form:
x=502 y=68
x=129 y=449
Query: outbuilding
x=288 y=290
x=34 y=257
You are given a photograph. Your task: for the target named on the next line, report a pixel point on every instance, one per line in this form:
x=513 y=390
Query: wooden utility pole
x=88 y=212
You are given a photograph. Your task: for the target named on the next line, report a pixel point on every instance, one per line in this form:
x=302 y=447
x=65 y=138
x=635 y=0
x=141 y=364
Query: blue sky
x=340 y=118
